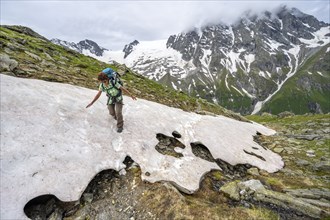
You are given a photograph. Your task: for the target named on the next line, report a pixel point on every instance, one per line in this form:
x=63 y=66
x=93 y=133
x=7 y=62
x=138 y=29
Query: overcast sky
x=112 y=24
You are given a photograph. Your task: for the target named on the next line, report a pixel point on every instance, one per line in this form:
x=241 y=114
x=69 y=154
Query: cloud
x=112 y=24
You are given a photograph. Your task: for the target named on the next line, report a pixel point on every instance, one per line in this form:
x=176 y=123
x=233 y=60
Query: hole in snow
x=45 y=206
x=259 y=139
x=201 y=151
x=167 y=145
x=254 y=154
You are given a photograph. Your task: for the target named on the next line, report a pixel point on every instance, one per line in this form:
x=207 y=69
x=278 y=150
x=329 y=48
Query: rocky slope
x=272 y=62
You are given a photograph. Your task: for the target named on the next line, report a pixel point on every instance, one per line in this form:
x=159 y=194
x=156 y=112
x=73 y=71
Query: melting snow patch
x=35 y=139
x=237 y=90
x=319 y=73
x=262 y=73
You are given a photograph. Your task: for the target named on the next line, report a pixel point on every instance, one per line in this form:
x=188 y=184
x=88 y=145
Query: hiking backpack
x=113 y=76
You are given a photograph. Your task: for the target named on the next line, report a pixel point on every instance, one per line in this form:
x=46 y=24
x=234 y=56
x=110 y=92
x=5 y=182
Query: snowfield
x=52 y=144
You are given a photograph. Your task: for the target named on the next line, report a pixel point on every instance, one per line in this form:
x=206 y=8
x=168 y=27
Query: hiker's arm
x=95 y=98
x=126 y=91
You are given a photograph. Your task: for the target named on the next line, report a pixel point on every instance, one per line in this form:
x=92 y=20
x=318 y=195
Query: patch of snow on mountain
x=262 y=73
x=205 y=61
x=237 y=90
x=247 y=93
x=226 y=81
x=320 y=38
x=273 y=45
x=231 y=63
x=281 y=23
x=249 y=58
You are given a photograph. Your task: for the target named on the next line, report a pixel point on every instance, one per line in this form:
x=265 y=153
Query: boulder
x=231 y=190
x=287 y=201
x=254 y=190
x=7 y=64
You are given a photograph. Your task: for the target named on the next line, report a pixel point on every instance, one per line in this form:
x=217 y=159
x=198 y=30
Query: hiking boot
x=119 y=130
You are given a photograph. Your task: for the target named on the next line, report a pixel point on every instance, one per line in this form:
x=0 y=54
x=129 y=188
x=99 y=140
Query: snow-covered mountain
x=87 y=47
x=245 y=66
x=273 y=62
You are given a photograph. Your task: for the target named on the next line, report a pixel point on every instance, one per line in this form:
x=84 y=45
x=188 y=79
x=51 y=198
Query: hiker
x=113 y=88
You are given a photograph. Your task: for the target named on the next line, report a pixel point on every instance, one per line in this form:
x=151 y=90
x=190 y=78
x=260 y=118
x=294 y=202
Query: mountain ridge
x=86 y=46
x=247 y=62
x=244 y=66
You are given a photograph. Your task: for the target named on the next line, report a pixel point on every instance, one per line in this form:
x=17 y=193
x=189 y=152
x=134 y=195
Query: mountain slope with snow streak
x=242 y=66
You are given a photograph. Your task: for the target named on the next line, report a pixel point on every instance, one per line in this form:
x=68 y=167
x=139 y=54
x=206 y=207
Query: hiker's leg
x=112 y=110
x=119 y=115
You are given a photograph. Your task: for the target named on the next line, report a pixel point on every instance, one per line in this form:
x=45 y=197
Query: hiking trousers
x=116 y=111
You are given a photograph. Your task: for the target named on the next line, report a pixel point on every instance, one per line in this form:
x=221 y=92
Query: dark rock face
x=88 y=45
x=91 y=46
x=129 y=48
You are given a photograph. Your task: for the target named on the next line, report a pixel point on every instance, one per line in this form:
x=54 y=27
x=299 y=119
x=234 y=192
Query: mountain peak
x=86 y=46
x=130 y=47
